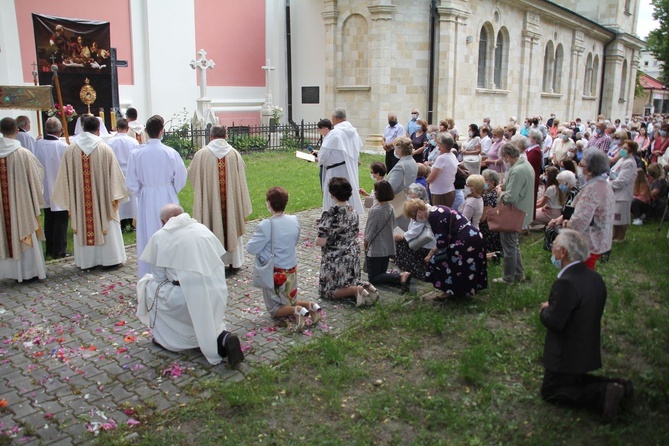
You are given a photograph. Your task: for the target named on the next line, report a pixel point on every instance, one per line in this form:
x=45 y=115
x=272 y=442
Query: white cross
x=203 y=65
x=268 y=68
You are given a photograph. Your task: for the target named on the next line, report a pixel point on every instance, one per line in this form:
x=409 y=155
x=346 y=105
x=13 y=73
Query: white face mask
x=467 y=191
x=372 y=177
x=396 y=155
x=269 y=208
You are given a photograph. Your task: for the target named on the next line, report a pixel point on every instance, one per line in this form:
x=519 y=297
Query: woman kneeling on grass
x=458 y=264
x=281 y=233
x=340 y=261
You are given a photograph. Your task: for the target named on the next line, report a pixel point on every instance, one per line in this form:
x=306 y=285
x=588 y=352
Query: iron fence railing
x=186 y=140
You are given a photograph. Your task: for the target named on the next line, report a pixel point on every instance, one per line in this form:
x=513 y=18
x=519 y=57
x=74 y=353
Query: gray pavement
x=75 y=360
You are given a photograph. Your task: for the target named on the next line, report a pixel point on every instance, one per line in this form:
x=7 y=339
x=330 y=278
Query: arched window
x=484 y=39
x=595 y=77
x=501 y=58
x=623 y=82
x=549 y=60
x=557 y=69
x=587 y=79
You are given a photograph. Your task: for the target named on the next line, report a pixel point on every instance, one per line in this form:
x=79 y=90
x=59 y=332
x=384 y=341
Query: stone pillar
x=575 y=68
x=453 y=16
x=531 y=36
x=382 y=91
x=330 y=15
x=612 y=76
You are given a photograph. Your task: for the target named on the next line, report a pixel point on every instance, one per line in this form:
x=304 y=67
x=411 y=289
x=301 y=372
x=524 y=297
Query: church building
x=448 y=58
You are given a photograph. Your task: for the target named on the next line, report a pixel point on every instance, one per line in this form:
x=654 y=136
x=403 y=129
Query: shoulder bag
x=426 y=236
x=505 y=218
x=263 y=273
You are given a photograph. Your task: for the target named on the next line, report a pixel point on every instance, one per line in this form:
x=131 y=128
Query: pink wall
x=233 y=35
x=117 y=13
x=238 y=118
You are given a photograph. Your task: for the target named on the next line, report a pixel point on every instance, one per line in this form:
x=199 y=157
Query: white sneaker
x=637 y=222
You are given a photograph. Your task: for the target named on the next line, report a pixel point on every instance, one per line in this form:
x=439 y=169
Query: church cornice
x=452 y=13
x=381 y=12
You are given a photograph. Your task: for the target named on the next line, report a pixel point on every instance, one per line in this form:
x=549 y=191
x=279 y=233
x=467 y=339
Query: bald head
x=170 y=210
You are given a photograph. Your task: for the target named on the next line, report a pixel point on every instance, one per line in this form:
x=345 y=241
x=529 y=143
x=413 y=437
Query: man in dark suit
x=573 y=316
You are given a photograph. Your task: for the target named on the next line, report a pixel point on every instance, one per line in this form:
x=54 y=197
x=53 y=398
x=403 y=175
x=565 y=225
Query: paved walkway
x=75 y=360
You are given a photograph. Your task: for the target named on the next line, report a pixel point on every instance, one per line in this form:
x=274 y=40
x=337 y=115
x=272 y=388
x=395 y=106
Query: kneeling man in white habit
x=184 y=297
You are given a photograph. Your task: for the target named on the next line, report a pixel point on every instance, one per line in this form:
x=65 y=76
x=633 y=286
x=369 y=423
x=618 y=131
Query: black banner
x=81 y=50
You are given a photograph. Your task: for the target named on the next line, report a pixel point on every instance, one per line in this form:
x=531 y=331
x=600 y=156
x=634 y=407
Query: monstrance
x=88 y=94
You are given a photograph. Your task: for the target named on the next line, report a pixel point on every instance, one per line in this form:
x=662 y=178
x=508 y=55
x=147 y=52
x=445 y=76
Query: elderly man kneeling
x=184 y=297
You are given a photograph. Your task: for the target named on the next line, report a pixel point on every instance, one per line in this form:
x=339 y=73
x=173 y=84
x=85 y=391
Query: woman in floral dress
x=340 y=262
x=458 y=265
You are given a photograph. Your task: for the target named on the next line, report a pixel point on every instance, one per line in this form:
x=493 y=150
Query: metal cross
x=203 y=65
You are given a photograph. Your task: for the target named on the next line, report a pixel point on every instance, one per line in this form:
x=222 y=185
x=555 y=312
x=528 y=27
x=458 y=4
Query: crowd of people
x=428 y=212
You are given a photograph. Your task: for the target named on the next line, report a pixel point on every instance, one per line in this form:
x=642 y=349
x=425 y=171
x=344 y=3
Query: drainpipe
x=289 y=68
x=431 y=69
x=601 y=89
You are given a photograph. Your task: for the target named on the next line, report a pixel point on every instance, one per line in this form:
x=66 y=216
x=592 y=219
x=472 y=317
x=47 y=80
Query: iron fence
x=186 y=140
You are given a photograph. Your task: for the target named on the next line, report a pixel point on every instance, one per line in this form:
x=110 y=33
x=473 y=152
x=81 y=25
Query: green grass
x=264 y=170
x=464 y=373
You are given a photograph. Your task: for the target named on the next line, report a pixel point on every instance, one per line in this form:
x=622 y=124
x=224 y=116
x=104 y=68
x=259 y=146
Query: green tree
x=658 y=39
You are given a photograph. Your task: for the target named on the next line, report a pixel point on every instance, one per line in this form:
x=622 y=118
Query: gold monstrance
x=88 y=94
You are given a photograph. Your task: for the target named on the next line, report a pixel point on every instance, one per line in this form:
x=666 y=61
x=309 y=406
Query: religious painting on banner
x=81 y=50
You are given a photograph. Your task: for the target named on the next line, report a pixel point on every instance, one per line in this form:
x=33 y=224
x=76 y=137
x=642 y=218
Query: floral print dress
x=459 y=267
x=340 y=262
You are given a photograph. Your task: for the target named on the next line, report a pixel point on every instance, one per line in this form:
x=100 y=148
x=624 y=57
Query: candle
x=113 y=118
x=102 y=114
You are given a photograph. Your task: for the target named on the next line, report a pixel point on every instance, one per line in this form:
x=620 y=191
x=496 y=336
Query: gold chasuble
x=90 y=185
x=21 y=183
x=221 y=199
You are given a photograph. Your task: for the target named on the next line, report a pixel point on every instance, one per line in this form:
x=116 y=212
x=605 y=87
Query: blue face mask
x=563 y=188
x=598 y=131
x=485 y=186
x=663 y=133
x=433 y=142
x=623 y=153
x=556 y=263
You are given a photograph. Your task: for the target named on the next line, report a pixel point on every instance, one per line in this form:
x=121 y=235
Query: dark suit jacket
x=573 y=320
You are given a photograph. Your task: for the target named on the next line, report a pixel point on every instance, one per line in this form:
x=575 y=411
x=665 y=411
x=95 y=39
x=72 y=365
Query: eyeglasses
x=414 y=113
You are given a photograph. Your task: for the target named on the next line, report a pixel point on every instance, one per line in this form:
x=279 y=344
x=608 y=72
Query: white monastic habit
x=339 y=156
x=137 y=131
x=221 y=199
x=156 y=174
x=21 y=176
x=50 y=151
x=189 y=314
x=123 y=145
x=90 y=185
x=26 y=139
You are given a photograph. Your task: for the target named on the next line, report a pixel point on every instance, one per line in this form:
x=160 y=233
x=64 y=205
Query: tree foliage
x=658 y=39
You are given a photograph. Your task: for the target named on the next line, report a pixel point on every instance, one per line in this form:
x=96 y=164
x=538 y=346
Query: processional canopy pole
x=39 y=112
x=54 y=69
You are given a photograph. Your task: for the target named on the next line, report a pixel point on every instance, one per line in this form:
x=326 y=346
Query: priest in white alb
x=91 y=186
x=123 y=145
x=21 y=174
x=184 y=297
x=221 y=199
x=156 y=174
x=338 y=156
x=50 y=151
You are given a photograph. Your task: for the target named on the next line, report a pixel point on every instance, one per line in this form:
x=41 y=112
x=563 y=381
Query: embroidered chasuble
x=21 y=197
x=221 y=199
x=90 y=184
